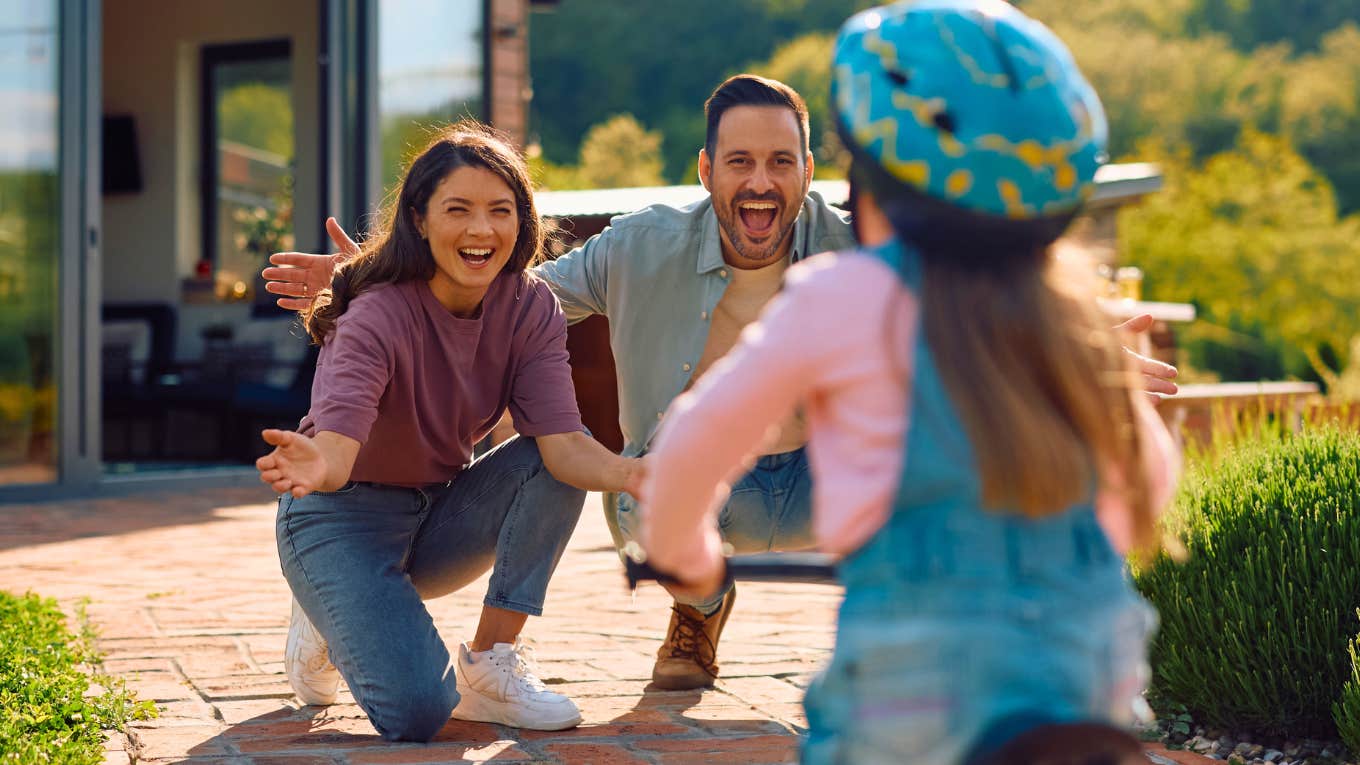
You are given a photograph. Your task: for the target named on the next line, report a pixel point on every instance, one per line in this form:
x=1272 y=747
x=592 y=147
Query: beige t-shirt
x=741 y=303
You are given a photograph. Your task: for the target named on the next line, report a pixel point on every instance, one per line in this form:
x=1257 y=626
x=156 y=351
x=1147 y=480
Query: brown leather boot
x=689 y=657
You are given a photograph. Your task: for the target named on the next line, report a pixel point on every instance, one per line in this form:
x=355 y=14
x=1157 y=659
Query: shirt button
x=658 y=415
x=723 y=273
x=686 y=367
x=704 y=315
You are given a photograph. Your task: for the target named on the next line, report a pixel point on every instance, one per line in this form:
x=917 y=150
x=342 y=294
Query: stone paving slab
x=185 y=591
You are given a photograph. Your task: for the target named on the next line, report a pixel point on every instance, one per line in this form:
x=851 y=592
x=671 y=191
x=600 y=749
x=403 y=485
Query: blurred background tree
x=617 y=153
x=620 y=152
x=1251 y=106
x=658 y=62
x=258 y=115
x=1251 y=237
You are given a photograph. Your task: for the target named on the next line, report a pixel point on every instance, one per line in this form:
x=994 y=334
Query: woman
x=427 y=336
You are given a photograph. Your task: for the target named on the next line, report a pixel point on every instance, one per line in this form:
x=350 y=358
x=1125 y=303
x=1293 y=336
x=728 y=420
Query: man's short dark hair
x=751 y=90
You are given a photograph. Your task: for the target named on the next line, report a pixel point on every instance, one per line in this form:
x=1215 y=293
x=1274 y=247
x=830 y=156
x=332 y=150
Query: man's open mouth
x=475 y=257
x=757 y=217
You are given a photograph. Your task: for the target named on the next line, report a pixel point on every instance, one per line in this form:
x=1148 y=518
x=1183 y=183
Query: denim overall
x=958 y=622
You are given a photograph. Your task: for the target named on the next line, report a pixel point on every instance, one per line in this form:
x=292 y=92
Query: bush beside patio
x=55 y=706
x=1258 y=620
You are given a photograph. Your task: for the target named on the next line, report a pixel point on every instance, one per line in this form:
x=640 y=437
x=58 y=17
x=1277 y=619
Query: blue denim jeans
x=769 y=508
x=362 y=560
x=955 y=622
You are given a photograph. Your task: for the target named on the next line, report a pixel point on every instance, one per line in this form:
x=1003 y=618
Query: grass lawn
x=55 y=704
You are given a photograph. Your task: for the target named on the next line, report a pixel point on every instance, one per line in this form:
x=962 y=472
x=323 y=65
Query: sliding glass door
x=30 y=222
x=48 y=242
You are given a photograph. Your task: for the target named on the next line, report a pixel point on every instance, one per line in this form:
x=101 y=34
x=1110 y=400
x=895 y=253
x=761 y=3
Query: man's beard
x=764 y=253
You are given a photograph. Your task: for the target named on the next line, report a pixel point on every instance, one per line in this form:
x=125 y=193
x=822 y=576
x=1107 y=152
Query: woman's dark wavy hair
x=397 y=253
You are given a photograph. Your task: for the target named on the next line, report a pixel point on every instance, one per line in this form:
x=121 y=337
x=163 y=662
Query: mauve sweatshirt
x=418 y=386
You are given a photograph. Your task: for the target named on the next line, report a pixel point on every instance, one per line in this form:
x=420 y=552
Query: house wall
x=151 y=52
x=509 y=24
x=151 y=70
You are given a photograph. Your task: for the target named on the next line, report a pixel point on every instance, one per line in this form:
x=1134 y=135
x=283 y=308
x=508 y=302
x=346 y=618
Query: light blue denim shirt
x=657 y=275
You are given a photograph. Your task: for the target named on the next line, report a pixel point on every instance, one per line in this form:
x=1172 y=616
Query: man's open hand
x=1158 y=377
x=300 y=276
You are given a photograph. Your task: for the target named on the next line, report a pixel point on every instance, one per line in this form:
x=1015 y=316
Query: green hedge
x=1258 y=618
x=45 y=714
x=1346 y=713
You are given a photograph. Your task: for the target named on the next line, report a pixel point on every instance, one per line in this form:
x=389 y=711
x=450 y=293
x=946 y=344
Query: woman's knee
x=415 y=715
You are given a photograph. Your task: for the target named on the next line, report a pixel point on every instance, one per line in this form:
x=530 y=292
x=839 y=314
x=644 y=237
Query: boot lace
x=689 y=639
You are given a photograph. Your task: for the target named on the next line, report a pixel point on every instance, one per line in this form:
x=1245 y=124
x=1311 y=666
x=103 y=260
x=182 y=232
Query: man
x=678 y=286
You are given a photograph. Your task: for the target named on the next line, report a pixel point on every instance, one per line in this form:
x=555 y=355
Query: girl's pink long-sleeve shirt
x=837 y=341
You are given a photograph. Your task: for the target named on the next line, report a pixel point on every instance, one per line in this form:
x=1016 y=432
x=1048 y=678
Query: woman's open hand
x=297 y=465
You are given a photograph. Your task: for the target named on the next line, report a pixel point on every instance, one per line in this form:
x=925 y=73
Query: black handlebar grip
x=816 y=568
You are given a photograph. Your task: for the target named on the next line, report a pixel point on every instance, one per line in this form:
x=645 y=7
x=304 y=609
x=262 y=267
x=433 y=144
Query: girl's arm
x=837 y=339
x=710 y=434
x=300 y=465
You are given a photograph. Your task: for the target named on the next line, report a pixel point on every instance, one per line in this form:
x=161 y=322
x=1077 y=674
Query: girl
x=982 y=455
x=427 y=336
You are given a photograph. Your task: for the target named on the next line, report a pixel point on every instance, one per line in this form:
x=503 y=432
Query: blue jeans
x=958 y=623
x=361 y=560
x=769 y=508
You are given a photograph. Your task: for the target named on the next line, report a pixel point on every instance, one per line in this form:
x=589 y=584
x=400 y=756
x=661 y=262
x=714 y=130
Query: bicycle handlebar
x=815 y=568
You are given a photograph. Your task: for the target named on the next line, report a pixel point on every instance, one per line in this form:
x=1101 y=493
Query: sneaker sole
x=307 y=695
x=473 y=707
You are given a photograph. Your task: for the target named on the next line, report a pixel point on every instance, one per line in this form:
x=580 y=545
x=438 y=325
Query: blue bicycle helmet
x=970 y=108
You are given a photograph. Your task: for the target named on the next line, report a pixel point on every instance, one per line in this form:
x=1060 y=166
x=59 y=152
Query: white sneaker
x=306 y=660
x=499 y=686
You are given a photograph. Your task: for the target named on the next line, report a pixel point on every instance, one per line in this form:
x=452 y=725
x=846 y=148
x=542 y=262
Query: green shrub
x=1346 y=711
x=1257 y=619
x=47 y=710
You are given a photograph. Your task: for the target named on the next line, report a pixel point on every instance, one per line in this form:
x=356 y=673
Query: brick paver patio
x=185 y=591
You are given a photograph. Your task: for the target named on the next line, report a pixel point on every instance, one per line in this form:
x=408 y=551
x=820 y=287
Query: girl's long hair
x=1035 y=370
x=397 y=253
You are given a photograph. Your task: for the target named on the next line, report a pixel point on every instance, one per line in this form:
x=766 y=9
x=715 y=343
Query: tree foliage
x=258 y=115
x=1253 y=238
x=1165 y=72
x=1250 y=23
x=621 y=152
x=616 y=153
x=1321 y=110
x=657 y=61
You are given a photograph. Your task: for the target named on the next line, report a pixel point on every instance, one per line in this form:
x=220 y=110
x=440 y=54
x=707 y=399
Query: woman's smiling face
x=471 y=223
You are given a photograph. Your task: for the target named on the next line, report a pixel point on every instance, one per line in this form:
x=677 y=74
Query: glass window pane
x=255 y=155
x=429 y=73
x=29 y=241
